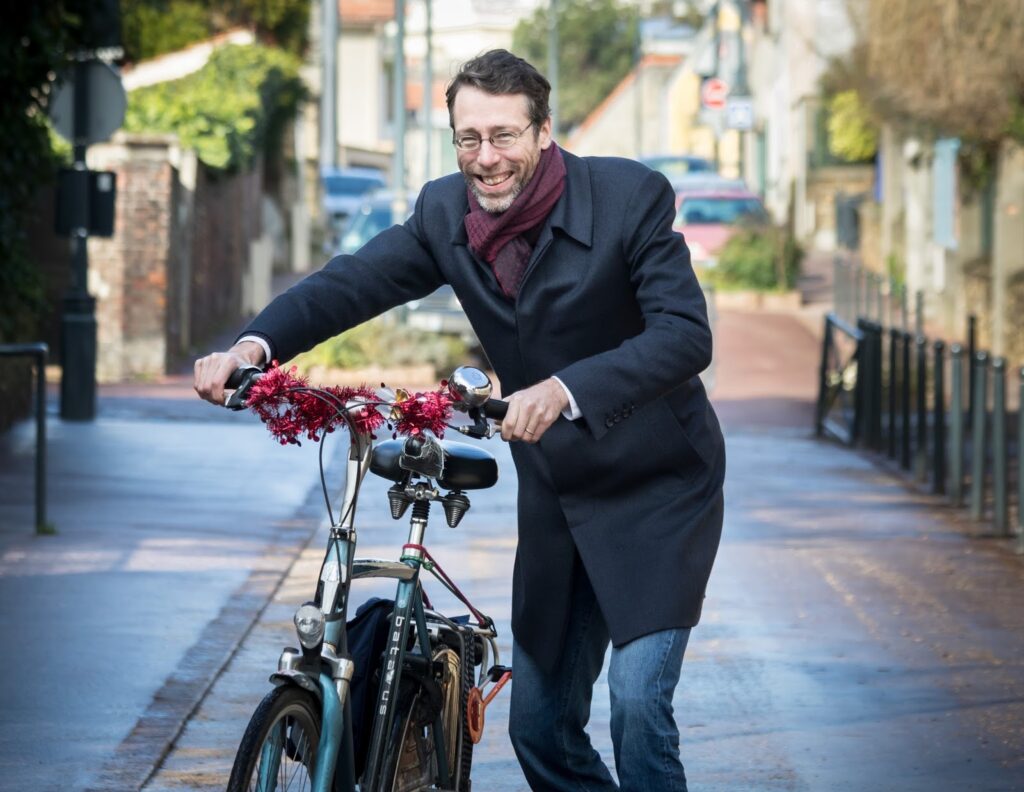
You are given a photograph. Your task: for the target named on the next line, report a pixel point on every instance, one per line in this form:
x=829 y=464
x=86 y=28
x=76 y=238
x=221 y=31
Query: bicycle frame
x=335 y=753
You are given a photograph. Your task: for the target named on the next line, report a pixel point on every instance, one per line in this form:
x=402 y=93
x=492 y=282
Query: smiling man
x=588 y=309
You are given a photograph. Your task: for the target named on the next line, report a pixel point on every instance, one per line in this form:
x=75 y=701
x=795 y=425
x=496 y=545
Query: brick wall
x=128 y=273
x=170 y=277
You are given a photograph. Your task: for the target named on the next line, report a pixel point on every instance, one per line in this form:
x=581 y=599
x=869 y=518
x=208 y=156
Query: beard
x=494 y=204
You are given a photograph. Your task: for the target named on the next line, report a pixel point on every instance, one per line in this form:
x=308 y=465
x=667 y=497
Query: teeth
x=491 y=181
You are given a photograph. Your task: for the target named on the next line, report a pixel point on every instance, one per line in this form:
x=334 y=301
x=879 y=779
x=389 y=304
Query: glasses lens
x=504 y=140
x=467 y=143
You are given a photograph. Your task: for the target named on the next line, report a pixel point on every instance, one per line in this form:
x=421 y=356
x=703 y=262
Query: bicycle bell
x=470 y=386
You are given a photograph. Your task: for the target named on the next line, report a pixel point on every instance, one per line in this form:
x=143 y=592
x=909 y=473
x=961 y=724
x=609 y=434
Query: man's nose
x=488 y=154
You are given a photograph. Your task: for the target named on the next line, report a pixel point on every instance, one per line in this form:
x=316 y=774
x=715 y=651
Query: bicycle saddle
x=466 y=467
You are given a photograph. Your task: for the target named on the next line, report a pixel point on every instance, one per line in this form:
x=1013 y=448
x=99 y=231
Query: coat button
x=609 y=423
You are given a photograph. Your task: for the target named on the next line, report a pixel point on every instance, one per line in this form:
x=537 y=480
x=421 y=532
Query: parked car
x=345 y=188
x=704 y=182
x=440 y=311
x=372 y=215
x=677 y=165
x=708 y=218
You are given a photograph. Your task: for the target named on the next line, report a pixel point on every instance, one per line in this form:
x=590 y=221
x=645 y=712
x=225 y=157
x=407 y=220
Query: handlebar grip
x=239 y=375
x=495 y=408
x=240 y=380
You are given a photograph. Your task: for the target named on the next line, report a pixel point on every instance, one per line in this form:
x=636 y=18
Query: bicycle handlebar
x=245 y=376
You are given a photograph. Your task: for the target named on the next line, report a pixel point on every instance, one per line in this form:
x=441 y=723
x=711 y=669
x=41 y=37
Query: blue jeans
x=549 y=712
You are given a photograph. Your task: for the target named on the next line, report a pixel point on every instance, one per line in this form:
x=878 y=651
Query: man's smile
x=495 y=180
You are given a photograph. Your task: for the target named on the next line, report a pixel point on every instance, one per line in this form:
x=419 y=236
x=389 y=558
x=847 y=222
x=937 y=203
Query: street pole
x=428 y=96
x=398 y=205
x=553 y=64
x=78 y=321
x=328 y=92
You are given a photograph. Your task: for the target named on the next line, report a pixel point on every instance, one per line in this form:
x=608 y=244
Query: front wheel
x=278 y=750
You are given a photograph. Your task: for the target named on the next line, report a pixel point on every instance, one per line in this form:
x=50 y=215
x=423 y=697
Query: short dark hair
x=500 y=72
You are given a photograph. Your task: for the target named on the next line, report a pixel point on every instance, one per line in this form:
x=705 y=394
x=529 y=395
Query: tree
x=155 y=27
x=35 y=38
x=954 y=67
x=597 y=47
x=852 y=132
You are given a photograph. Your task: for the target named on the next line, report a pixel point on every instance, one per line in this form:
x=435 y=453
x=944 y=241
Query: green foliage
x=156 y=27
x=759 y=258
x=895 y=269
x=34 y=38
x=229 y=110
x=149 y=29
x=382 y=342
x=853 y=133
x=597 y=43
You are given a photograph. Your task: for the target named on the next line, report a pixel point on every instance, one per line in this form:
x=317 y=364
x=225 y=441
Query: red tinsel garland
x=283 y=401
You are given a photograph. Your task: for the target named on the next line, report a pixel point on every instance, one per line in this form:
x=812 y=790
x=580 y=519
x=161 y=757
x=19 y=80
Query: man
x=588 y=309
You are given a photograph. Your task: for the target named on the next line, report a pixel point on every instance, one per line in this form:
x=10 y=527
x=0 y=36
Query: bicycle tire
x=284 y=728
x=467 y=661
x=409 y=762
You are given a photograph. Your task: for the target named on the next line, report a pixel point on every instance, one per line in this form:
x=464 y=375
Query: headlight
x=309 y=624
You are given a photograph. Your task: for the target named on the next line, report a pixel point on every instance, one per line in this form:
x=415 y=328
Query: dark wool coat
x=609 y=304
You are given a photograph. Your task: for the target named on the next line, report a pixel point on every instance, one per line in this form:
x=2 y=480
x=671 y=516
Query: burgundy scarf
x=506 y=240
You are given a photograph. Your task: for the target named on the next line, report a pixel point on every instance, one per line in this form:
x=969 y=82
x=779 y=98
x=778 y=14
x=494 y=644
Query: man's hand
x=212 y=371
x=532 y=411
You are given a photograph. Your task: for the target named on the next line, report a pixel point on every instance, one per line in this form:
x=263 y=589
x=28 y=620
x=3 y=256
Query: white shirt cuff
x=261 y=342
x=573 y=411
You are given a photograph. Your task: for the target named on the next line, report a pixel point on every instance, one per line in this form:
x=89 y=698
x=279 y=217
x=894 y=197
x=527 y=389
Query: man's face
x=497 y=176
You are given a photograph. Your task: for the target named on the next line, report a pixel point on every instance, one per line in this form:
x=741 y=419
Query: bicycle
x=311 y=732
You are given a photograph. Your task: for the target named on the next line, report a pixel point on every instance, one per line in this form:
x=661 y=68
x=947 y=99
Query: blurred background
x=234 y=144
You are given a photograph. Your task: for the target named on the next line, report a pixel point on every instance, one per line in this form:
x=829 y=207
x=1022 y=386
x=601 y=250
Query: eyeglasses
x=502 y=140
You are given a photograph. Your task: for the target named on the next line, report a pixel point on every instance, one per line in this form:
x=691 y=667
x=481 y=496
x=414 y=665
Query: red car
x=708 y=218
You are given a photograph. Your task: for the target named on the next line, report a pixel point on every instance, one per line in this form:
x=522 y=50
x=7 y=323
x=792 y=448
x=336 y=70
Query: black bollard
x=1000 y=499
x=905 y=403
x=1020 y=463
x=876 y=428
x=978 y=466
x=939 y=422
x=921 y=450
x=972 y=350
x=894 y=348
x=956 y=426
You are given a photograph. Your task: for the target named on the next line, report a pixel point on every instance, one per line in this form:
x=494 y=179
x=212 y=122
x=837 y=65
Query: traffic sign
x=106 y=103
x=739 y=113
x=714 y=92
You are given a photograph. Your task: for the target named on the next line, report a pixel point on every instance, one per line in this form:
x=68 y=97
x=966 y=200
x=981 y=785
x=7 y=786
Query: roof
x=181 y=63
x=365 y=11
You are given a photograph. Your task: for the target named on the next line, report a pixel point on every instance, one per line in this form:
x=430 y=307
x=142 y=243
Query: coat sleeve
x=392 y=268
x=675 y=343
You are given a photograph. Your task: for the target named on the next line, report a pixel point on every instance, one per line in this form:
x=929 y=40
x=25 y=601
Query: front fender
x=290 y=676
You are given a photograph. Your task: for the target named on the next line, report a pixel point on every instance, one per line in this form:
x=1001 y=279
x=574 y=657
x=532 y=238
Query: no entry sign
x=713 y=93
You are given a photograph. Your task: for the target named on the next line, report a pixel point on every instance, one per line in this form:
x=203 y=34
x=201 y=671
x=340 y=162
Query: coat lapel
x=573 y=214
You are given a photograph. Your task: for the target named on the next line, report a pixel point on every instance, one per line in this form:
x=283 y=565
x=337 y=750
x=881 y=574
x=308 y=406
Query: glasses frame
x=480 y=140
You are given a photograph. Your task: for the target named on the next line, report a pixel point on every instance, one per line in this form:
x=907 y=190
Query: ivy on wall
x=230 y=110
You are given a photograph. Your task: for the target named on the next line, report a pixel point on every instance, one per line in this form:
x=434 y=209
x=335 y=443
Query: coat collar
x=574 y=212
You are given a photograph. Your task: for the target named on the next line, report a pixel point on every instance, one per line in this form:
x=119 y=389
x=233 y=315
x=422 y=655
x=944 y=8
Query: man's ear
x=544 y=134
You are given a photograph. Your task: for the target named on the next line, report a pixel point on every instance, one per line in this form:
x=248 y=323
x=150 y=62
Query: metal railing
x=38 y=352
x=969 y=451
